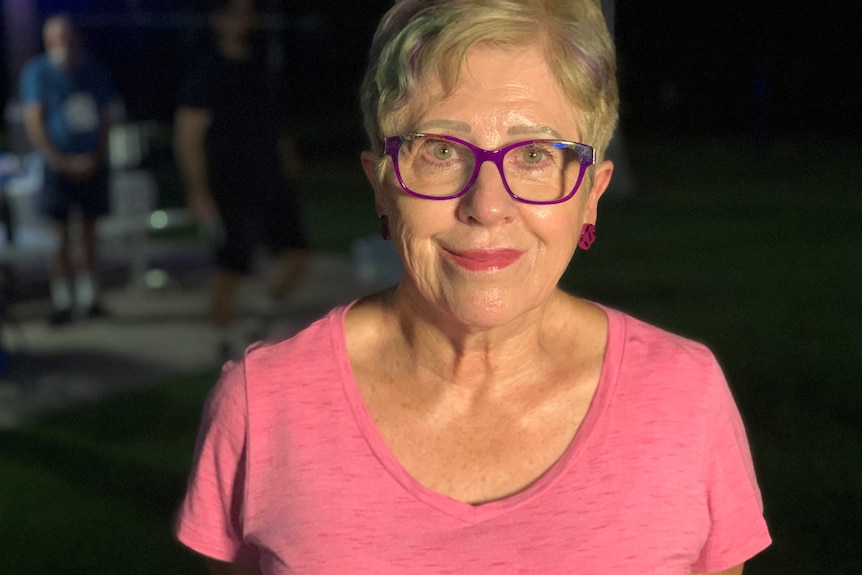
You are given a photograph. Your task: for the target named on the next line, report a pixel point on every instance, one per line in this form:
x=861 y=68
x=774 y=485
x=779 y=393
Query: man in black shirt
x=234 y=154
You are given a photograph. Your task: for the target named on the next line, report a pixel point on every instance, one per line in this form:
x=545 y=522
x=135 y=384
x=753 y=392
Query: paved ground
x=150 y=334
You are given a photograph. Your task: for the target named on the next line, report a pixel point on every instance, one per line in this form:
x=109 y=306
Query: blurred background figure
x=66 y=94
x=235 y=156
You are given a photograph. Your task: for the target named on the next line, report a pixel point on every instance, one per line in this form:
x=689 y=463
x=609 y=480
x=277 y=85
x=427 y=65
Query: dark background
x=730 y=68
x=785 y=315
x=728 y=62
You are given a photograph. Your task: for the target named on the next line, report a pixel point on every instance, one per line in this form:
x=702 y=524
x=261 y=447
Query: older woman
x=475 y=418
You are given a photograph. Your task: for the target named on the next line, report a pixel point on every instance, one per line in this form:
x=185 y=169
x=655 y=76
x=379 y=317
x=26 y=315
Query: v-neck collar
x=467 y=512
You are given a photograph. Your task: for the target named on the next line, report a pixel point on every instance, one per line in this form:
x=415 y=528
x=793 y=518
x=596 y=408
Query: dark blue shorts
x=60 y=196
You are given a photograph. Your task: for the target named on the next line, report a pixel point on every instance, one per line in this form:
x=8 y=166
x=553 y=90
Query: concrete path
x=149 y=336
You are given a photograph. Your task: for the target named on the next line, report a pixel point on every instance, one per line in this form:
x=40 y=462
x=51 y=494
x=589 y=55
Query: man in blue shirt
x=66 y=95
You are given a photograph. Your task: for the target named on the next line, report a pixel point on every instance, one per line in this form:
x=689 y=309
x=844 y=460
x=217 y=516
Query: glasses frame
x=586 y=154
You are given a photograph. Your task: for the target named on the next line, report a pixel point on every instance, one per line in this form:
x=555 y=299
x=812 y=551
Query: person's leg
x=90 y=247
x=224 y=290
x=233 y=259
x=290 y=271
x=61 y=259
x=54 y=203
x=86 y=277
x=61 y=274
x=93 y=197
x=285 y=233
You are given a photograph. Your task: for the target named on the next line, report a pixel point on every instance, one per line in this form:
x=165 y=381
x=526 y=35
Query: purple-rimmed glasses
x=436 y=167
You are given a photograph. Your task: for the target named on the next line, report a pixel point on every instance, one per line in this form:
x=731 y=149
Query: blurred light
x=155 y=279
x=159 y=220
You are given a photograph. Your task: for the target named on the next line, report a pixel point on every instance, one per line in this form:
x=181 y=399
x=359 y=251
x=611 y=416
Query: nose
x=487 y=202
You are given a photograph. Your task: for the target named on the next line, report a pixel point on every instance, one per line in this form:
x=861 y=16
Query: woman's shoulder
x=660 y=373
x=644 y=341
x=275 y=375
x=651 y=364
x=316 y=343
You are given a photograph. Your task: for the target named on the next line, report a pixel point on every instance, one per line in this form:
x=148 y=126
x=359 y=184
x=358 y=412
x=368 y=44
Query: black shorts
x=272 y=220
x=61 y=195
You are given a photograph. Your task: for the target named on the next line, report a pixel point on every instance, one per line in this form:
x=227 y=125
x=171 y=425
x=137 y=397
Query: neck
x=447 y=350
x=73 y=61
x=234 y=48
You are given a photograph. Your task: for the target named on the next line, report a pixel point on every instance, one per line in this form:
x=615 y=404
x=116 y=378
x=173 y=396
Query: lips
x=484 y=260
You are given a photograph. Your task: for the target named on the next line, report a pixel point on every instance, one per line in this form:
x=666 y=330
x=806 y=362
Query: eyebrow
x=513 y=130
x=448 y=124
x=528 y=129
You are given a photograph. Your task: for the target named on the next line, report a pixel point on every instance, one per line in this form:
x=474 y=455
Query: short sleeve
x=30 y=88
x=210 y=518
x=738 y=529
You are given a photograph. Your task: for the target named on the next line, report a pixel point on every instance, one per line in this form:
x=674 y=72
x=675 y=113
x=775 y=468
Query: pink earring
x=384 y=228
x=588 y=236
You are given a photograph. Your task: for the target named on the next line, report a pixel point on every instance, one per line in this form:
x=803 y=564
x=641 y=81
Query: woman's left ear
x=601 y=180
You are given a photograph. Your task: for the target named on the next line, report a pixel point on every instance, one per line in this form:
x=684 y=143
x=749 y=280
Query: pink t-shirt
x=292 y=475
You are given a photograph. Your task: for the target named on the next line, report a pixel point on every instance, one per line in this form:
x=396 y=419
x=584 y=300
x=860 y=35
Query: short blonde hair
x=418 y=37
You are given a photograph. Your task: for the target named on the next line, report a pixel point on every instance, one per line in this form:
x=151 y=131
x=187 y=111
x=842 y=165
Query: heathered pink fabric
x=291 y=474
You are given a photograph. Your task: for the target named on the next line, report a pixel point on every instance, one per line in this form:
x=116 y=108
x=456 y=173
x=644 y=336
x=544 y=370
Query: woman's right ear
x=370 y=161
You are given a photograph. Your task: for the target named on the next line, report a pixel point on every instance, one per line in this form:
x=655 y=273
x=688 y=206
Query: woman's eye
x=533 y=156
x=442 y=152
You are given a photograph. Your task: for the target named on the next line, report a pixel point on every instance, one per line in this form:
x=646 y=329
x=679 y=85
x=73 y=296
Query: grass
x=758 y=258
x=93 y=490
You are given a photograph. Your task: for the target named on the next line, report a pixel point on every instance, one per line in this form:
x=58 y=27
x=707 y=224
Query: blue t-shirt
x=72 y=99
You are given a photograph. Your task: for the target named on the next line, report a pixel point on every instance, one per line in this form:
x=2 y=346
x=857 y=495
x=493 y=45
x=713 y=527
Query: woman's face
x=486 y=258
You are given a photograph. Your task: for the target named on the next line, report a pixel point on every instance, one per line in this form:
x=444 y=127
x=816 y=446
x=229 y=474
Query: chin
x=489 y=309
x=472 y=304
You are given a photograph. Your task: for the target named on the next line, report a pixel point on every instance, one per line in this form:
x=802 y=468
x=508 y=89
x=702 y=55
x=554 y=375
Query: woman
x=475 y=418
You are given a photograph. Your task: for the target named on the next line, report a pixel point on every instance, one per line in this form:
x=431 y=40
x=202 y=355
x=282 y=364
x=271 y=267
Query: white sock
x=85 y=291
x=61 y=295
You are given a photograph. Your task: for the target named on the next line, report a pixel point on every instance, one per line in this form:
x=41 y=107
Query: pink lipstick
x=484 y=260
